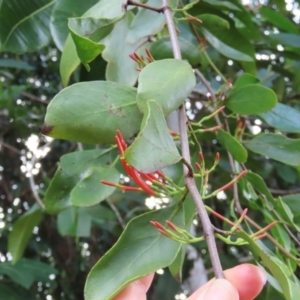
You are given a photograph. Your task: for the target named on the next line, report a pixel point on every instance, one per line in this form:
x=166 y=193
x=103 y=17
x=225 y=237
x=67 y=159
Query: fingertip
x=219 y=289
x=248 y=279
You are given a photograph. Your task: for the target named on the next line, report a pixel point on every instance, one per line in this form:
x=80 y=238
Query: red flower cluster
x=138 y=177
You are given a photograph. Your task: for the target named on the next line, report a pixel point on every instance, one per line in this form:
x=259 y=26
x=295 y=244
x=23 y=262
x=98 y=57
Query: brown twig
x=12 y=148
x=138 y=4
x=190 y=183
x=34 y=98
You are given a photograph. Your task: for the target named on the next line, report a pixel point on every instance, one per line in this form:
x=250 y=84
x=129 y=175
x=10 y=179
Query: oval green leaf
x=89 y=191
x=162 y=49
x=227 y=41
x=251 y=99
x=154 y=148
x=137 y=253
x=245 y=79
x=72 y=168
x=168 y=81
x=232 y=145
x=283 y=117
x=277 y=147
x=22 y=231
x=91 y=112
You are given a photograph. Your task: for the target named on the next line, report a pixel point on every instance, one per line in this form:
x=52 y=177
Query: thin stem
x=34 y=98
x=214 y=66
x=207 y=85
x=12 y=148
x=190 y=181
x=130 y=2
x=117 y=213
x=275 y=242
x=32 y=181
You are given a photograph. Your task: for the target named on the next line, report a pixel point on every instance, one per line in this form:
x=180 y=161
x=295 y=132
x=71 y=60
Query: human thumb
x=220 y=289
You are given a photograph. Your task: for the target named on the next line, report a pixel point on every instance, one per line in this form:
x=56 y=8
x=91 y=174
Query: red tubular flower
x=171 y=225
x=123 y=188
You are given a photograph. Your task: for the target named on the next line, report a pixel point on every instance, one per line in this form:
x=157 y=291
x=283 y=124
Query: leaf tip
x=47 y=129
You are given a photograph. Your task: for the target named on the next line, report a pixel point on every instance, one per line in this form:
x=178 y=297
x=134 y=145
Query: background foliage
x=48 y=253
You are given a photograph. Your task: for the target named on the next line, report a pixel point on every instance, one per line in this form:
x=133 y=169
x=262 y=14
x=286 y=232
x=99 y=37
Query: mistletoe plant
x=159 y=62
x=112 y=112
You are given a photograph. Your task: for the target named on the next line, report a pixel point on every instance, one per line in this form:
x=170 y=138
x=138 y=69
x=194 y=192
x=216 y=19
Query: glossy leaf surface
x=62 y=11
x=232 y=145
x=69 y=62
x=87 y=34
x=72 y=169
x=168 y=81
x=19 y=32
x=251 y=99
x=283 y=117
x=227 y=41
x=154 y=147
x=245 y=79
x=162 y=49
x=277 y=147
x=137 y=253
x=120 y=67
x=34 y=270
x=275 y=267
x=91 y=112
x=22 y=231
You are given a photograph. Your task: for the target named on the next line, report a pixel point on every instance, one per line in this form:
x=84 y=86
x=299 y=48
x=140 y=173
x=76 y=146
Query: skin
x=243 y=282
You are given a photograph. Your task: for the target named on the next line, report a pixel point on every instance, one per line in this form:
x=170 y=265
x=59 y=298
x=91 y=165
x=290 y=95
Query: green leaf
x=227 y=41
x=251 y=99
x=91 y=112
x=154 y=147
x=89 y=191
x=106 y=9
x=74 y=221
x=69 y=61
x=66 y=221
x=87 y=34
x=286 y=39
x=277 y=147
x=120 y=67
x=232 y=145
x=137 y=253
x=283 y=117
x=162 y=49
x=213 y=22
x=72 y=168
x=22 y=232
x=146 y=23
x=17 y=64
x=275 y=267
x=222 y=4
x=286 y=213
x=19 y=32
x=259 y=185
x=26 y=271
x=168 y=81
x=293 y=202
x=244 y=80
x=62 y=11
x=9 y=292
x=279 y=20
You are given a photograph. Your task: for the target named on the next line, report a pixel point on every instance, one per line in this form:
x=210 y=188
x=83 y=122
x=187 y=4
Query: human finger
x=136 y=290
